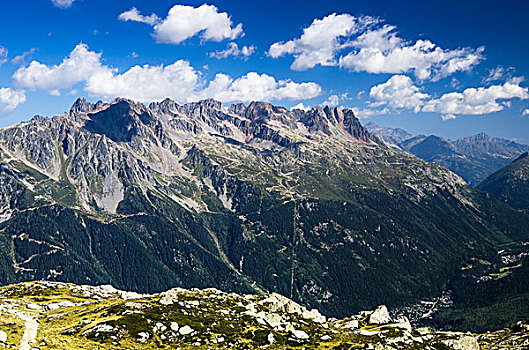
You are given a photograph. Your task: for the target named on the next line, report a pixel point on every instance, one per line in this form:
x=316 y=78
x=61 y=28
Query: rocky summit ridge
x=100 y=149
x=52 y=315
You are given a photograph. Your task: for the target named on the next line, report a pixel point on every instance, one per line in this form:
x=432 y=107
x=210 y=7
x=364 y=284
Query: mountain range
x=473 y=157
x=251 y=198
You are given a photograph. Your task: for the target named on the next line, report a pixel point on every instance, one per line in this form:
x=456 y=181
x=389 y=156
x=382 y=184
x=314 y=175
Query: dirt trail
x=30 y=332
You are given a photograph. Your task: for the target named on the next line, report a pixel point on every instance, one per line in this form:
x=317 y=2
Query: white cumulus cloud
x=63 y=4
x=233 y=50
x=179 y=81
x=363 y=44
x=320 y=42
x=477 y=101
x=134 y=15
x=79 y=66
x=145 y=83
x=398 y=92
x=256 y=87
x=183 y=22
x=10 y=99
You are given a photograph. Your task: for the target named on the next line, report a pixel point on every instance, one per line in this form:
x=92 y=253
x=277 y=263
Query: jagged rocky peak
x=121 y=120
x=167 y=106
x=205 y=106
x=263 y=110
x=237 y=108
x=334 y=114
x=81 y=105
x=329 y=121
x=38 y=118
x=316 y=121
x=205 y=110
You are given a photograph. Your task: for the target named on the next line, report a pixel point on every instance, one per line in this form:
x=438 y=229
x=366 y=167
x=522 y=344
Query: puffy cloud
x=256 y=87
x=362 y=44
x=63 y=4
x=178 y=80
x=233 y=50
x=382 y=51
x=477 y=101
x=183 y=22
x=134 y=15
x=10 y=99
x=79 y=66
x=145 y=83
x=320 y=42
x=398 y=92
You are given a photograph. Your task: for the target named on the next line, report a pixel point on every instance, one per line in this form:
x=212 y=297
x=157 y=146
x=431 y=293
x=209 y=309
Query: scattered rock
x=159 y=327
x=403 y=323
x=300 y=334
x=423 y=330
x=465 y=342
x=3 y=336
x=380 y=315
x=272 y=319
x=270 y=338
x=185 y=330
x=100 y=328
x=314 y=315
x=171 y=296
x=33 y=306
x=352 y=324
x=143 y=337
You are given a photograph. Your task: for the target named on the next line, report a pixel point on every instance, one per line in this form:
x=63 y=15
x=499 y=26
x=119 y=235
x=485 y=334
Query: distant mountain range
x=473 y=158
x=250 y=198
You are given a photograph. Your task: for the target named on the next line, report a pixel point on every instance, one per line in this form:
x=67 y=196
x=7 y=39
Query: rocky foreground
x=52 y=315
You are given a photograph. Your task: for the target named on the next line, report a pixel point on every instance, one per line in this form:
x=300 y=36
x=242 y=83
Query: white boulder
x=380 y=315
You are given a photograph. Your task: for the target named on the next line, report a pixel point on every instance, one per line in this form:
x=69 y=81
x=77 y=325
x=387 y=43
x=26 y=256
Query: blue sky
x=451 y=68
